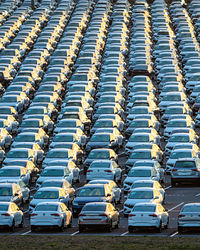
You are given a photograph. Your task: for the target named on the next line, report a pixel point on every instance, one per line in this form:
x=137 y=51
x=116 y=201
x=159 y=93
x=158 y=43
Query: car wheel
x=70 y=224
x=12 y=228
x=118 y=222
x=21 y=225
x=167 y=225
x=110 y=227
x=62 y=227
x=159 y=229
x=33 y=228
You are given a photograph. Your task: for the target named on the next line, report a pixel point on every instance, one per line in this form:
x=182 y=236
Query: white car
x=51 y=214
x=54 y=173
x=148 y=215
x=104 y=169
x=10 y=215
x=140 y=173
x=138 y=195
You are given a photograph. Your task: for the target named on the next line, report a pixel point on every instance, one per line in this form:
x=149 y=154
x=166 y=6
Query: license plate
x=183 y=173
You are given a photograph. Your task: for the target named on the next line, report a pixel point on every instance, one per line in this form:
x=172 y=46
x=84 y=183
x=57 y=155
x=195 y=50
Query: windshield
x=176 y=155
x=139 y=138
x=174 y=98
x=91 y=192
x=57 y=154
x=100 y=165
x=46 y=195
x=9 y=172
x=53 y=172
x=30 y=124
x=52 y=184
x=18 y=154
x=100 y=124
x=144 y=208
x=63 y=138
x=141 y=155
x=5 y=191
x=25 y=138
x=141 y=195
x=192 y=208
x=46 y=208
x=185 y=164
x=98 y=155
x=66 y=124
x=139 y=173
x=142 y=184
x=178 y=138
x=100 y=138
x=3 y=207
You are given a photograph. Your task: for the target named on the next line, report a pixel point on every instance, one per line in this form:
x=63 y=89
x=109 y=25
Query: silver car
x=188 y=217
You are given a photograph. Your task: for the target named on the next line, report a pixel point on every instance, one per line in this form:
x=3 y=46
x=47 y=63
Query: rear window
x=185 y=164
x=144 y=208
x=191 y=208
x=46 y=208
x=95 y=208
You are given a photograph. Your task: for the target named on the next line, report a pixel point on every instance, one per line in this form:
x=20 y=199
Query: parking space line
x=174 y=234
x=26 y=211
x=75 y=233
x=180 y=204
x=120 y=211
x=124 y=233
x=167 y=187
x=197 y=195
x=26 y=232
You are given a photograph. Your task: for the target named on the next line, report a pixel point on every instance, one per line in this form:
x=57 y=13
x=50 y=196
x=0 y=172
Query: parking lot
x=100 y=107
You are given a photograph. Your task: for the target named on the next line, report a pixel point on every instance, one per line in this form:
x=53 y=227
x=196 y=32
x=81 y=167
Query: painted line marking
x=197 y=195
x=174 y=234
x=120 y=211
x=180 y=204
x=75 y=233
x=124 y=233
x=26 y=232
x=26 y=211
x=167 y=187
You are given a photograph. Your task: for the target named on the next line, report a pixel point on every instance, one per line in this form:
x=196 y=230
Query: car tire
x=159 y=229
x=70 y=224
x=117 y=225
x=62 y=227
x=167 y=225
x=12 y=228
x=21 y=225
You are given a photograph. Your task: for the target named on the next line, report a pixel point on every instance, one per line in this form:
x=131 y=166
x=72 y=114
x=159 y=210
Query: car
x=10 y=192
x=99 y=154
x=115 y=189
x=185 y=170
x=106 y=169
x=139 y=195
x=15 y=173
x=98 y=214
x=91 y=193
x=188 y=217
x=48 y=194
x=50 y=214
x=61 y=184
x=140 y=173
x=148 y=215
x=10 y=215
x=179 y=154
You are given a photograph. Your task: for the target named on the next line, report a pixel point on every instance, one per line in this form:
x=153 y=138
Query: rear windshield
x=95 y=208
x=144 y=208
x=46 y=208
x=185 y=164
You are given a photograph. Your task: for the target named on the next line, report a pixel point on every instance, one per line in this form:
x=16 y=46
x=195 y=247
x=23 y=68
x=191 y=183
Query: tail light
x=6 y=214
x=55 y=214
x=194 y=169
x=33 y=215
x=108 y=171
x=174 y=170
x=181 y=215
x=131 y=215
x=153 y=215
x=89 y=171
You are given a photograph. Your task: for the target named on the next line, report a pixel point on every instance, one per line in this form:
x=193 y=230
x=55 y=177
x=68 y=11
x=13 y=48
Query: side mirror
x=108 y=195
x=62 y=197
x=157 y=197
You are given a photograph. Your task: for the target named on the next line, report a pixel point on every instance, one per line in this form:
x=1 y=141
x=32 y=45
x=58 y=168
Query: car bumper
x=152 y=224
